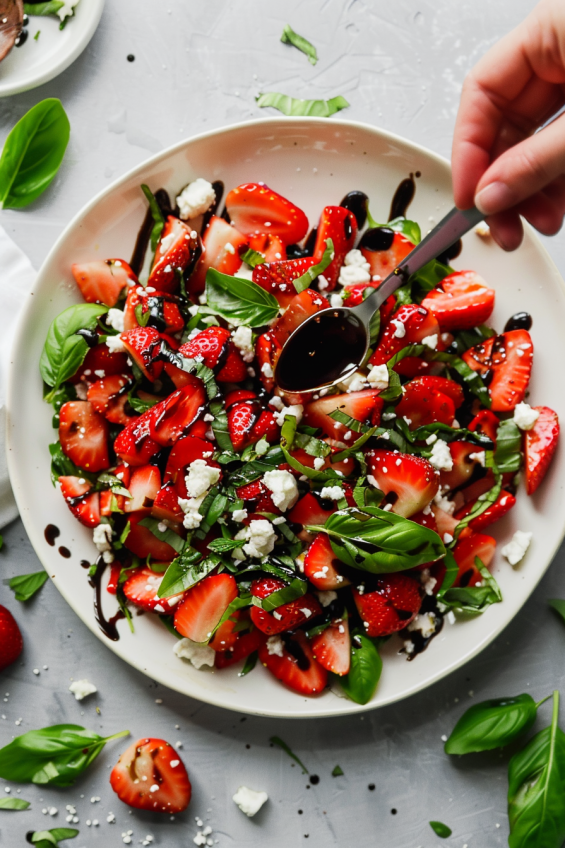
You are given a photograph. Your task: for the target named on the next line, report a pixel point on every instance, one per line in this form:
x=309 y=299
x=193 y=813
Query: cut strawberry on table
x=539 y=446
x=174 y=251
x=461 y=301
x=332 y=647
x=11 y=642
x=82 y=501
x=365 y=406
x=507 y=361
x=292 y=662
x=255 y=208
x=83 y=434
x=384 y=261
x=151 y=776
x=102 y=281
x=409 y=482
x=410 y=324
x=221 y=249
x=277 y=277
x=204 y=605
x=141 y=589
x=285 y=617
x=321 y=566
x=388 y=606
x=339 y=225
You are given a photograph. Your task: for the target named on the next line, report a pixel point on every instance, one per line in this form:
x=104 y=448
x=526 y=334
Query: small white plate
x=314 y=162
x=37 y=62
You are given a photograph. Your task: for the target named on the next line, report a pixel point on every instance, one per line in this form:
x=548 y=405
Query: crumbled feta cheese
x=400 y=330
x=239 y=515
x=296 y=409
x=478 y=456
x=198 y=655
x=102 y=537
x=444 y=503
x=283 y=488
x=430 y=341
x=243 y=340
x=378 y=377
x=166 y=243
x=515 y=549
x=447 y=538
x=350 y=275
x=267 y=370
x=336 y=300
x=483 y=230
x=200 y=478
x=275 y=646
x=191 y=507
x=82 y=688
x=326 y=598
x=81 y=391
x=260 y=537
x=322 y=283
x=261 y=447
x=441 y=458
x=425 y=623
x=196 y=198
x=319 y=463
x=249 y=801
x=115 y=344
x=67 y=9
x=431 y=439
x=277 y=403
x=115 y=318
x=332 y=493
x=524 y=416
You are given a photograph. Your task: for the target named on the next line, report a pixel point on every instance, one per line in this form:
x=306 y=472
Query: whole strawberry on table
x=300 y=530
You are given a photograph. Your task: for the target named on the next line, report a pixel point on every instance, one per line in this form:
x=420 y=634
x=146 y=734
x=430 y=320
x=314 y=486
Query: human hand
x=499 y=164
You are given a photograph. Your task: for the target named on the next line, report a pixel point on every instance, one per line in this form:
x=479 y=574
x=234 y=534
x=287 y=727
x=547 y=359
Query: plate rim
x=34 y=534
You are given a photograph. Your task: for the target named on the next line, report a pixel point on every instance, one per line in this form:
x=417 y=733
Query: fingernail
x=494 y=198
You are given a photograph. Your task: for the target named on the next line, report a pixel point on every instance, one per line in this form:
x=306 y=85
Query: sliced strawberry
x=296 y=668
x=173 y=254
x=332 y=647
x=364 y=406
x=390 y=606
x=170 y=419
x=144 y=345
x=84 y=506
x=221 y=247
x=301 y=307
x=142 y=588
x=204 y=605
x=166 y=504
x=425 y=519
x=417 y=324
x=413 y=366
x=421 y=404
x=242 y=418
x=503 y=504
x=211 y=344
x=266 y=427
x=185 y=451
x=102 y=281
x=114 y=579
x=151 y=776
x=464 y=456
x=259 y=497
x=383 y=262
x=485 y=422
x=99 y=362
x=11 y=642
x=271 y=246
x=134 y=444
x=340 y=225
x=539 y=446
x=507 y=359
x=353 y=295
x=461 y=301
x=441 y=384
x=109 y=397
x=109 y=503
x=144 y=484
x=237 y=395
x=83 y=434
x=465 y=551
x=409 y=481
x=321 y=566
x=160 y=308
x=225 y=636
x=267 y=351
x=345 y=466
x=235 y=369
x=277 y=277
x=245 y=643
x=255 y=208
x=287 y=616
x=142 y=542
x=309 y=510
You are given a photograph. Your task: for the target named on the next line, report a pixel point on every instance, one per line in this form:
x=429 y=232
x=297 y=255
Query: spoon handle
x=455 y=224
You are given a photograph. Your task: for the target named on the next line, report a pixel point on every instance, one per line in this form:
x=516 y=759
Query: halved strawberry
x=255 y=208
x=340 y=225
x=11 y=642
x=266 y=427
x=296 y=668
x=164 y=313
x=204 y=605
x=503 y=504
x=109 y=397
x=287 y=616
x=441 y=384
x=239 y=394
x=102 y=281
x=364 y=406
x=99 y=362
x=166 y=504
x=309 y=510
x=143 y=345
x=421 y=404
x=144 y=484
x=485 y=422
x=242 y=418
x=508 y=358
x=383 y=262
x=301 y=307
x=539 y=446
x=277 y=277
x=81 y=500
x=176 y=246
x=234 y=369
x=141 y=589
x=259 y=497
x=151 y=776
x=461 y=301
x=134 y=444
x=465 y=551
x=142 y=542
x=332 y=647
x=170 y=419
x=409 y=481
x=210 y=344
x=390 y=606
x=354 y=294
x=245 y=643
x=413 y=324
x=267 y=351
x=185 y=451
x=271 y=246
x=83 y=434
x=109 y=503
x=321 y=566
x=221 y=247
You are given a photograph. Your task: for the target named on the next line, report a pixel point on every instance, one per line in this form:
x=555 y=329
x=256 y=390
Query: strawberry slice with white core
x=255 y=208
x=461 y=301
x=410 y=324
x=151 y=776
x=321 y=566
x=539 y=445
x=409 y=482
x=332 y=647
x=507 y=360
x=102 y=281
x=204 y=605
x=173 y=253
x=222 y=245
x=83 y=434
x=142 y=588
x=144 y=485
x=84 y=506
x=290 y=660
x=365 y=406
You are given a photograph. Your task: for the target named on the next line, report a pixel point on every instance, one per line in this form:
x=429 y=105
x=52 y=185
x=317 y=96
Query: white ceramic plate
x=314 y=162
x=37 y=62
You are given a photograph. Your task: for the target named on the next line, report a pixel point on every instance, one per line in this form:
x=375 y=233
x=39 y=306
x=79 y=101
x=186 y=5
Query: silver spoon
x=330 y=345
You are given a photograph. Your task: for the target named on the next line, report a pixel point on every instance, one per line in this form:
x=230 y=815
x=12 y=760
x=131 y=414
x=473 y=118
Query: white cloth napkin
x=17 y=276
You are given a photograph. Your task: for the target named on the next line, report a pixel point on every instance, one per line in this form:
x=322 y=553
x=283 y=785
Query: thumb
x=523 y=170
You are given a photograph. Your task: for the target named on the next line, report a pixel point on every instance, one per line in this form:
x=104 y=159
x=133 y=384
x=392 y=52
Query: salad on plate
x=299 y=530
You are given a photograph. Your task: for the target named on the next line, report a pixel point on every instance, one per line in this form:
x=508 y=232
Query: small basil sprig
x=492 y=724
x=360 y=683
x=440 y=829
x=288 y=435
x=291 y=106
x=508 y=455
x=289 y=36
x=158 y=218
x=51 y=838
x=239 y=301
x=536 y=789
x=314 y=271
x=337 y=771
x=25 y=586
x=185 y=571
x=472 y=600
x=53 y=755
x=253 y=258
x=254 y=469
x=13 y=804
x=276 y=740
x=33 y=153
x=295 y=589
x=168 y=536
x=64 y=351
x=408 y=228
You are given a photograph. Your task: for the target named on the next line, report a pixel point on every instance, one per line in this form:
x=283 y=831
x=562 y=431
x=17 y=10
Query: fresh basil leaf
x=276 y=740
x=239 y=301
x=451 y=573
x=223 y=546
x=62 y=466
x=492 y=724
x=53 y=755
x=288 y=432
x=64 y=351
x=289 y=36
x=191 y=366
x=220 y=425
x=168 y=535
x=372 y=431
x=51 y=7
x=185 y=571
x=139 y=405
x=158 y=217
x=25 y=586
x=294 y=590
x=474 y=600
x=314 y=271
x=440 y=829
x=360 y=683
x=471 y=379
x=251 y=471
x=559 y=607
x=465 y=339
x=484 y=501
x=408 y=228
x=253 y=258
x=110 y=481
x=33 y=153
x=508 y=455
x=13 y=804
x=291 y=106
x=51 y=838
x=536 y=788
x=337 y=771
x=348 y=421
x=447 y=433
x=311 y=445
x=249 y=664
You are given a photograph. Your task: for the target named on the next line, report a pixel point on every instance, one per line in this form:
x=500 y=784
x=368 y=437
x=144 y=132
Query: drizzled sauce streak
x=417 y=638
x=451 y=252
x=51 y=532
x=379 y=238
x=65 y=552
x=106 y=625
x=218 y=187
x=144 y=234
x=519 y=321
x=310 y=243
x=358 y=203
x=295 y=649
x=403 y=197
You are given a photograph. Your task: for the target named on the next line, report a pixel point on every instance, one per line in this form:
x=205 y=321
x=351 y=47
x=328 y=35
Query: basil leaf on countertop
x=440 y=829
x=337 y=771
x=360 y=683
x=536 y=789
x=314 y=271
x=64 y=351
x=158 y=219
x=53 y=755
x=25 y=586
x=13 y=804
x=33 y=153
x=51 y=838
x=239 y=301
x=276 y=740
x=292 y=106
x=289 y=36
x=492 y=724
x=559 y=607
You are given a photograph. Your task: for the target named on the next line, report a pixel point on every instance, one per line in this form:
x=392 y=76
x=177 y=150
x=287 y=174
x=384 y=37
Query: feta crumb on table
x=82 y=689
x=249 y=801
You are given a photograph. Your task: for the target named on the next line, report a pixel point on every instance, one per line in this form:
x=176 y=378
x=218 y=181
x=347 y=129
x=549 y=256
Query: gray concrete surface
x=198 y=66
